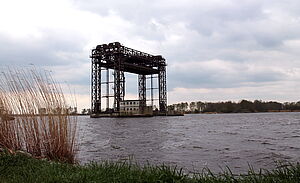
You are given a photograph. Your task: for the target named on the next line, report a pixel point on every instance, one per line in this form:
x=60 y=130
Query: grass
x=34 y=116
x=21 y=168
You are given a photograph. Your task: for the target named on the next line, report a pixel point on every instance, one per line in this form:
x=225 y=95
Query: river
x=194 y=141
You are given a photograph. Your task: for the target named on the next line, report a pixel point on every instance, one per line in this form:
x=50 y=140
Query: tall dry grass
x=34 y=115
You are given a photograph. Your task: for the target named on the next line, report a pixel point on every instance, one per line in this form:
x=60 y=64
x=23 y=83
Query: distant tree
x=227 y=107
x=233 y=107
x=298 y=105
x=75 y=110
x=291 y=105
x=273 y=106
x=178 y=107
x=193 y=106
x=84 y=111
x=259 y=106
x=200 y=106
x=88 y=111
x=184 y=106
x=72 y=110
x=171 y=107
x=209 y=107
x=246 y=106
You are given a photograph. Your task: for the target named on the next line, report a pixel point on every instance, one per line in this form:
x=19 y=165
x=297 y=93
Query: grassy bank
x=21 y=168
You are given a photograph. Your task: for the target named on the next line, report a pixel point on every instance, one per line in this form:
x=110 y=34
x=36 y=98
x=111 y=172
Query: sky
x=216 y=50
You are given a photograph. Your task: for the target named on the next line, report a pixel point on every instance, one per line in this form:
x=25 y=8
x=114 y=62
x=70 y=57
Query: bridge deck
x=130 y=60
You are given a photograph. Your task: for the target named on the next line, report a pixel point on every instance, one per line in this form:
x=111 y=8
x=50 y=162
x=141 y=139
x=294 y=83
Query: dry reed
x=34 y=115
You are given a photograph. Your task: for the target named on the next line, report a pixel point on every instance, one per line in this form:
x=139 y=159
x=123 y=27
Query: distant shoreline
x=270 y=111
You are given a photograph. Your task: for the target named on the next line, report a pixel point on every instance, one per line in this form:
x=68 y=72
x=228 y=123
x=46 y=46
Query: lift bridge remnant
x=121 y=59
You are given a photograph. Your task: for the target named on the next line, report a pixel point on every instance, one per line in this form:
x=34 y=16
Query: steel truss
x=122 y=59
x=142 y=90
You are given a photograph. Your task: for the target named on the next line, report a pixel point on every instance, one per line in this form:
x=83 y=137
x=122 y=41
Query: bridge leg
x=107 y=90
x=119 y=84
x=96 y=87
x=162 y=87
x=142 y=91
x=151 y=90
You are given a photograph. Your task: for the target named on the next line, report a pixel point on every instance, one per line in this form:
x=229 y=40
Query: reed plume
x=34 y=115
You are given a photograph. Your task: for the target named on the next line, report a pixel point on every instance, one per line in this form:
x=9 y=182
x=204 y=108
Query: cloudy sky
x=216 y=50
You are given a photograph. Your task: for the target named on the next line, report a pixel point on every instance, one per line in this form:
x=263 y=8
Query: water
x=194 y=141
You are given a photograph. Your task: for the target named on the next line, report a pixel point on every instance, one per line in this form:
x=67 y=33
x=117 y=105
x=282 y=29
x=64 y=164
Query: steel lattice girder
x=96 y=88
x=123 y=59
x=162 y=89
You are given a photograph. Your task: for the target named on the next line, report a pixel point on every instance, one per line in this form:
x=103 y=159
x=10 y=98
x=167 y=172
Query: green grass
x=21 y=168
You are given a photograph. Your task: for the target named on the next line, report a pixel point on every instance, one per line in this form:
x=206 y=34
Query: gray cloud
x=220 y=74
x=230 y=43
x=52 y=50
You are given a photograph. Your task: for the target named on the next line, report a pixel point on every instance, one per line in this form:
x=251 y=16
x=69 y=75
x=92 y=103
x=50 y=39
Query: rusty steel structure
x=121 y=59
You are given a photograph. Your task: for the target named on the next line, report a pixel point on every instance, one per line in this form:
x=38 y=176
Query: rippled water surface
x=194 y=141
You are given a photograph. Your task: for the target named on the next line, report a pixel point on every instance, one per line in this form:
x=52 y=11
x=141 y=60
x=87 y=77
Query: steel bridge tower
x=121 y=59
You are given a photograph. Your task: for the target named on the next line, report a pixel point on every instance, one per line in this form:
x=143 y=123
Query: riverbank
x=22 y=168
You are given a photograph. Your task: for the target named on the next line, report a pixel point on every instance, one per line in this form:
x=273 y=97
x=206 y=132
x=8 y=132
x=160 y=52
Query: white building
x=135 y=107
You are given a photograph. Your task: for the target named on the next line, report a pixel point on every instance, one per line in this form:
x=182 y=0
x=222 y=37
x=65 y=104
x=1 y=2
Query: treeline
x=234 y=107
x=85 y=111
